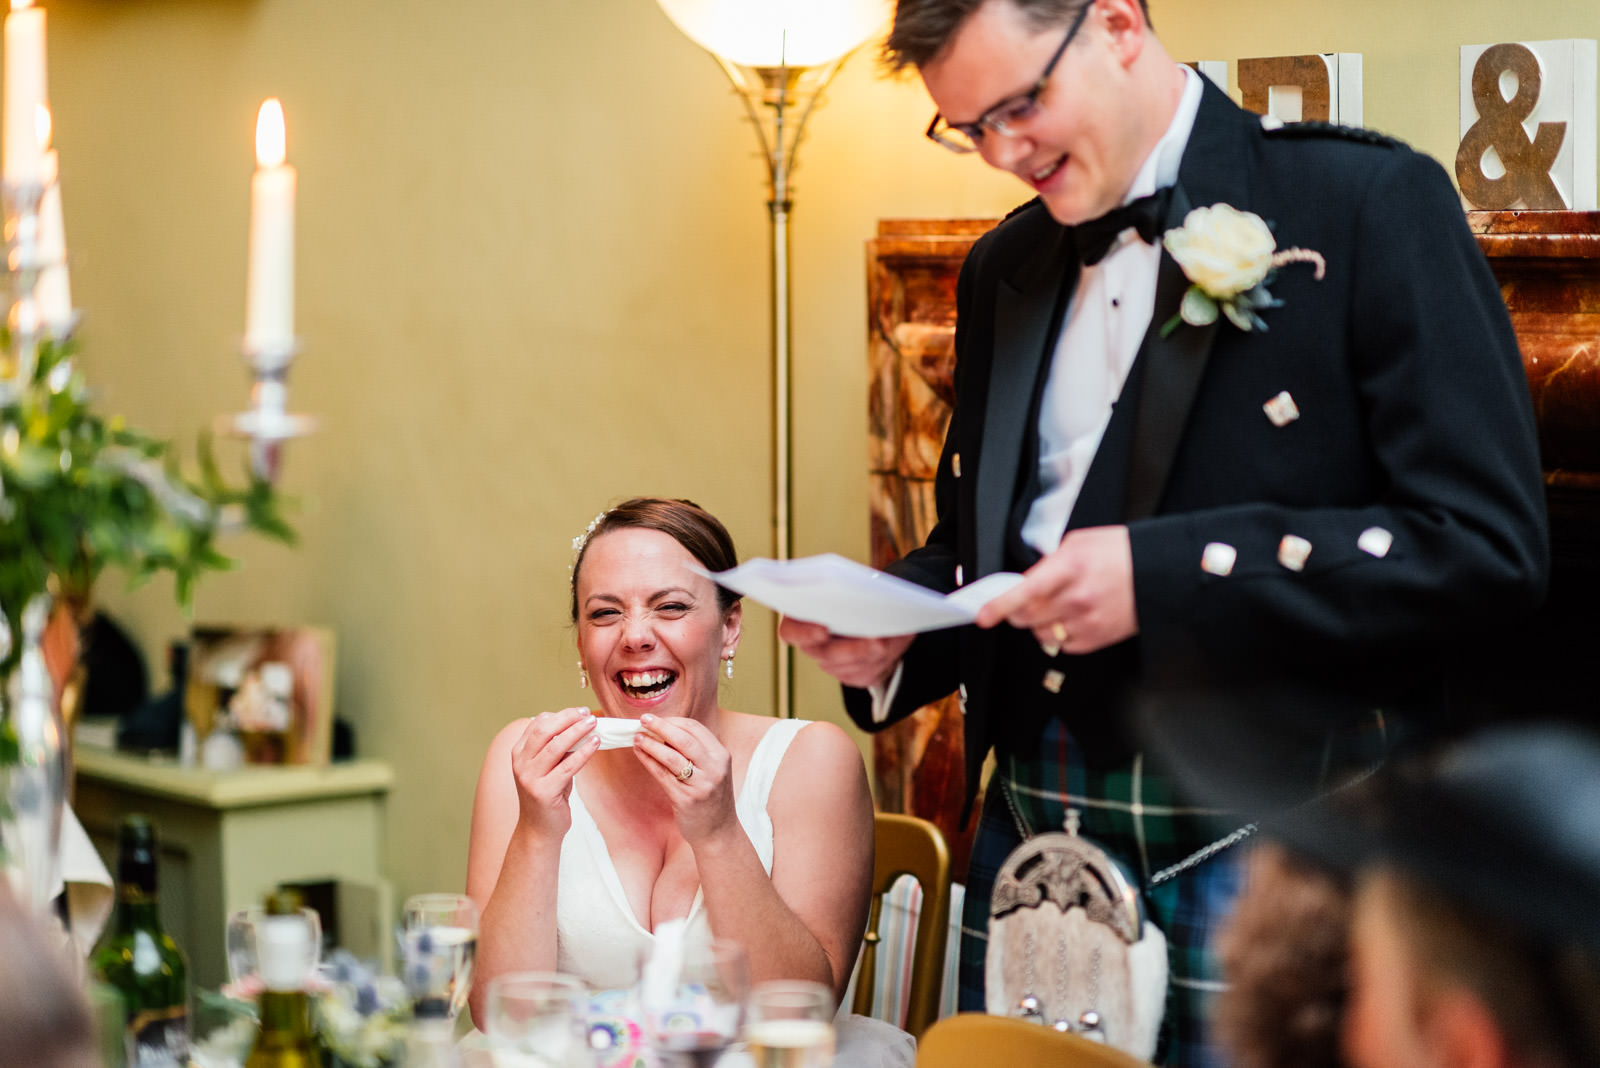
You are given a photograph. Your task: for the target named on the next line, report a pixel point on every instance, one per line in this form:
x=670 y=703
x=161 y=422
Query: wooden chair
x=974 y=1038
x=907 y=845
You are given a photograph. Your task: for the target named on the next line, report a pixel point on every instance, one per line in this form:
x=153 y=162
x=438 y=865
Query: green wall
x=532 y=280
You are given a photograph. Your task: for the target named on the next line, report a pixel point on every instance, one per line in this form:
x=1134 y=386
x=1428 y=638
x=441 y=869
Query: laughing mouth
x=1045 y=173
x=646 y=684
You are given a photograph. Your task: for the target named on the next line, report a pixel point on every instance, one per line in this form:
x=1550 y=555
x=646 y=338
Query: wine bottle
x=141 y=962
x=284 y=952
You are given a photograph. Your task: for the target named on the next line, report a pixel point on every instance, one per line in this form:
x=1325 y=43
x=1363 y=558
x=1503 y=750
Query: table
x=230 y=837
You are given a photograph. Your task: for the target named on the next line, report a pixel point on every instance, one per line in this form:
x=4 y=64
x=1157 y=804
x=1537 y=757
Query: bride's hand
x=694 y=770
x=553 y=748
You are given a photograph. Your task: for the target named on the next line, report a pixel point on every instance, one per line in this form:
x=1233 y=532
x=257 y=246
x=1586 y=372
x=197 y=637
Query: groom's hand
x=1079 y=598
x=859 y=662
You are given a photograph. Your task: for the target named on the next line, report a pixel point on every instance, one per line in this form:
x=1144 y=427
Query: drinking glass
x=244 y=966
x=691 y=998
x=537 y=1020
x=440 y=937
x=221 y=1030
x=791 y=1025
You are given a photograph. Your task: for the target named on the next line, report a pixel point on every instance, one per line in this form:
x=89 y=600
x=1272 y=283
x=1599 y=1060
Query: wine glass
x=221 y=1030
x=440 y=936
x=791 y=1025
x=244 y=965
x=691 y=998
x=537 y=1020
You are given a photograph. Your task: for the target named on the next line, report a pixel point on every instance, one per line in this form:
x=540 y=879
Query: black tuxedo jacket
x=1414 y=418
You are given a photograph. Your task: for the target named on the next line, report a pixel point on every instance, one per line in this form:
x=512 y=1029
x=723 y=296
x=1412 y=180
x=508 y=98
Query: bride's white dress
x=599 y=939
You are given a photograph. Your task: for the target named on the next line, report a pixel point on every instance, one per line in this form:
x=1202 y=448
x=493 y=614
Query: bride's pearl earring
x=727 y=665
x=583 y=676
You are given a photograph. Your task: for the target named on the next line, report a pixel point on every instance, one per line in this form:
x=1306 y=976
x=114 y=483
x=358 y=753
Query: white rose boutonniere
x=1228 y=256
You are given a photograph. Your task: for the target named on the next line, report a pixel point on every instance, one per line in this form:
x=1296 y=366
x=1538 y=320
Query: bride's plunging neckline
x=583 y=821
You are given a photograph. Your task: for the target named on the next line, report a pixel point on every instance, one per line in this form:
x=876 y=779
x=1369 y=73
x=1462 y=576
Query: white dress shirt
x=1105 y=324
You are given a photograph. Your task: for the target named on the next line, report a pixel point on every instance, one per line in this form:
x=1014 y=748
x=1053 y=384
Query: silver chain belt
x=1205 y=852
x=1199 y=856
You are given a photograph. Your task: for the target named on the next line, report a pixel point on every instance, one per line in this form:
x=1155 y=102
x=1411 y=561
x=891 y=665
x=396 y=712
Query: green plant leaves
x=79 y=492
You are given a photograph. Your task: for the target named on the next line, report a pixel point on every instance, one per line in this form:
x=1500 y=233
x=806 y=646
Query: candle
x=269 y=308
x=53 y=293
x=24 y=92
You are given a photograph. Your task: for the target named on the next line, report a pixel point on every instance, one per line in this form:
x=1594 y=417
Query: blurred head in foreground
x=1474 y=925
x=1285 y=952
x=1475 y=937
x=44 y=1019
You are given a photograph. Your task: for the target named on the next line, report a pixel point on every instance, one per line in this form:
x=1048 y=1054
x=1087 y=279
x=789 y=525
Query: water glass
x=221 y=1031
x=537 y=1020
x=440 y=943
x=791 y=1025
x=244 y=964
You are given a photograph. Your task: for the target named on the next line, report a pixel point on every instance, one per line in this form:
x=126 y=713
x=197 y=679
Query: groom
x=1330 y=490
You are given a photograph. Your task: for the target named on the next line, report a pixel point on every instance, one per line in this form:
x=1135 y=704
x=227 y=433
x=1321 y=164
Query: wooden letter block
x=1314 y=88
x=1528 y=126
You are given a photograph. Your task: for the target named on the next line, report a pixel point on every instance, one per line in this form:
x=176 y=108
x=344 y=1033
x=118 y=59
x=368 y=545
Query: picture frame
x=270 y=686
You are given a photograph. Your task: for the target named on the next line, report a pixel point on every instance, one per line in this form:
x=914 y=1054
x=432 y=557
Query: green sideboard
x=229 y=837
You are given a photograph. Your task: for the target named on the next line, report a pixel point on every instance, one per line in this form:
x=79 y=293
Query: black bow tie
x=1095 y=237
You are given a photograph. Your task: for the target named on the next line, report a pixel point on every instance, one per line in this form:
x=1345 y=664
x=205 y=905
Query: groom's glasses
x=1006 y=115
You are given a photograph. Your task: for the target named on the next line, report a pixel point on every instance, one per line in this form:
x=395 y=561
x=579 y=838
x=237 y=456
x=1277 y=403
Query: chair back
x=974 y=1038
x=907 y=845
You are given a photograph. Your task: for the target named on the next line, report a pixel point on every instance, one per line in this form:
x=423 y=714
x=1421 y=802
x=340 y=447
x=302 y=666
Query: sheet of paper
x=852 y=599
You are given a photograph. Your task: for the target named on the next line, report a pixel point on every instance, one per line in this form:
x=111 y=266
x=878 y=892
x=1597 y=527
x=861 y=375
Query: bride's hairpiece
x=583 y=539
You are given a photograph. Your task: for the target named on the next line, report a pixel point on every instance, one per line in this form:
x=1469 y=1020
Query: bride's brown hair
x=690 y=525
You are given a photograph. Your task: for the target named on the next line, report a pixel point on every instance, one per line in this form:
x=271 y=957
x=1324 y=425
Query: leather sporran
x=1070 y=948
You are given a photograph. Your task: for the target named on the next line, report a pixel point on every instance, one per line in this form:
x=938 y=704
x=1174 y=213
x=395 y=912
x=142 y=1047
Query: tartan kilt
x=1139 y=820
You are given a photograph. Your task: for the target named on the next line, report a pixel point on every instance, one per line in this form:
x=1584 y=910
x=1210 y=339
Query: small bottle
x=284 y=952
x=141 y=962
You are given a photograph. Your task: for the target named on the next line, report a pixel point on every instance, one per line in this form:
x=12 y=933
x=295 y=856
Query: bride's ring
x=687 y=773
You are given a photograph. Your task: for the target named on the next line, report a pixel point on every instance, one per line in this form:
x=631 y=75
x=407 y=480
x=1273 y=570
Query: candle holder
x=267 y=423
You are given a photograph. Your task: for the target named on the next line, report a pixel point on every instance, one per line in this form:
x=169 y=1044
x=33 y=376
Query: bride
x=749 y=828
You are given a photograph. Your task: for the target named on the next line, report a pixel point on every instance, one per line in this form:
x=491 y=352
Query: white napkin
x=90 y=891
x=616 y=733
x=658 y=982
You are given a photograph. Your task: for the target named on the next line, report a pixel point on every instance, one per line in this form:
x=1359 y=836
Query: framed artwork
x=271 y=687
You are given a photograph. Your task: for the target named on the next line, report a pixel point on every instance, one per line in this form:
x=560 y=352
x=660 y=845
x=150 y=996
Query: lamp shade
x=778 y=33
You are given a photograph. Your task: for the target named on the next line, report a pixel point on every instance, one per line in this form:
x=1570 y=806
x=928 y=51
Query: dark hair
x=1284 y=952
x=924 y=28
x=690 y=525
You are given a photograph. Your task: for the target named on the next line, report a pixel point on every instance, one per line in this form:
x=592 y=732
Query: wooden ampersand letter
x=1527 y=162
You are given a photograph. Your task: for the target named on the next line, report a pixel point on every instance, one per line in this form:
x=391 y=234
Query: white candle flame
x=270 y=136
x=21 y=5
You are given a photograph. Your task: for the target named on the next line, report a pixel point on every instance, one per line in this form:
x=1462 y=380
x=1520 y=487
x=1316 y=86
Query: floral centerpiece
x=79 y=491
x=361 y=1016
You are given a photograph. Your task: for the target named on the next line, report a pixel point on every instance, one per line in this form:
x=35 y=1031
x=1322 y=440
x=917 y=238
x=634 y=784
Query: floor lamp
x=779 y=55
